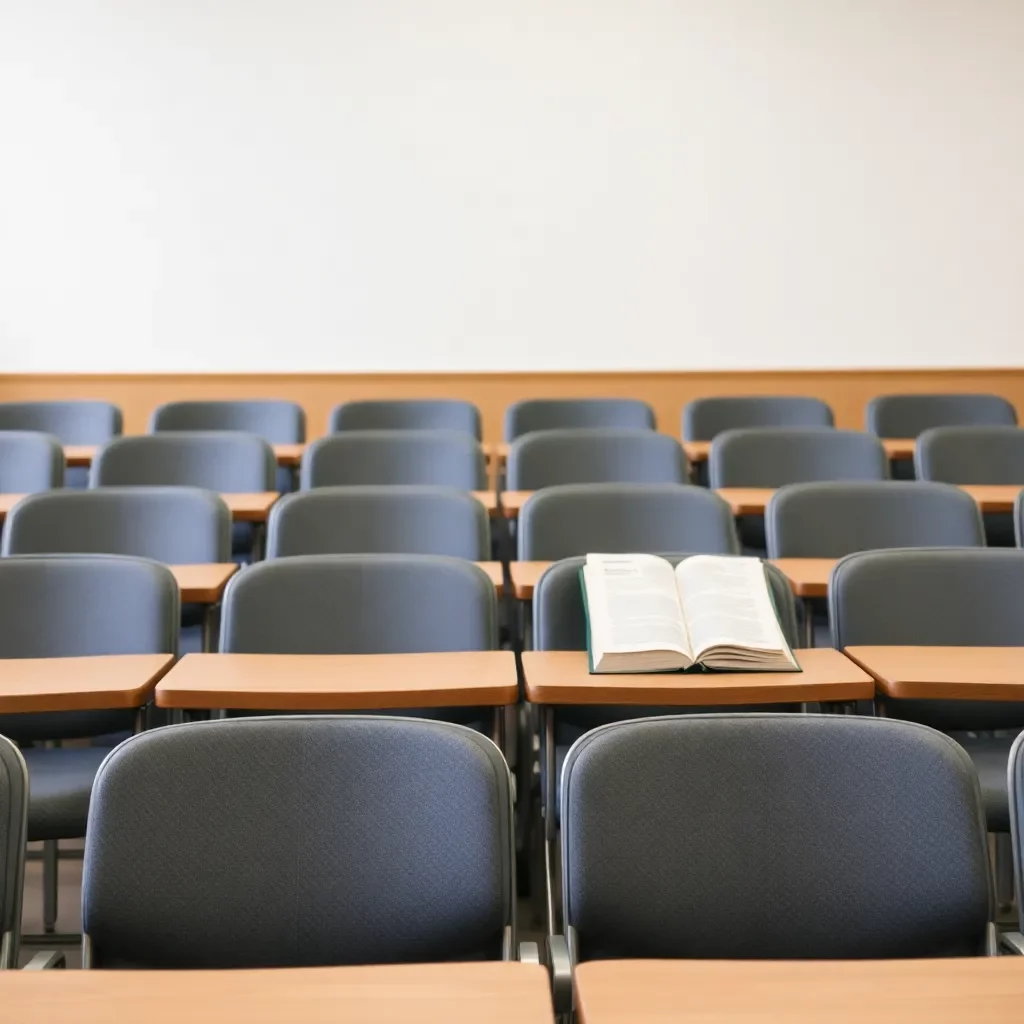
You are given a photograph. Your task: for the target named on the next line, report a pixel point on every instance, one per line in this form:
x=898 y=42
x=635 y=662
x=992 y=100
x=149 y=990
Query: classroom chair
x=576 y=413
x=407 y=414
x=439 y=458
x=952 y=597
x=30 y=461
x=600 y=455
x=574 y=519
x=72 y=422
x=60 y=606
x=1018 y=519
x=706 y=418
x=974 y=455
x=773 y=837
x=379 y=520
x=1015 y=777
x=13 y=830
x=300 y=841
x=222 y=460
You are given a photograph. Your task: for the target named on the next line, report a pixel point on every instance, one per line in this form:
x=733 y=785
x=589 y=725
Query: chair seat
x=60 y=785
x=990 y=755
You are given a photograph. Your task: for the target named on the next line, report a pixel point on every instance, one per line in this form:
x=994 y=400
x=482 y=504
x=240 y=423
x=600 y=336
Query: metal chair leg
x=51 y=885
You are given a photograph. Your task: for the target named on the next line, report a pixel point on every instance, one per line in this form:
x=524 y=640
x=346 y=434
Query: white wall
x=510 y=184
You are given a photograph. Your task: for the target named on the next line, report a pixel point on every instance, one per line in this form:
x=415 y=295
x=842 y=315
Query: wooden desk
x=807 y=576
x=79 y=684
x=203 y=584
x=496 y=573
x=989 y=989
x=497 y=454
x=502 y=993
x=250 y=508
x=993 y=497
x=944 y=673
x=81 y=455
x=513 y=501
x=525 y=576
x=7 y=502
x=339 y=682
x=895 y=448
x=746 y=501
x=562 y=677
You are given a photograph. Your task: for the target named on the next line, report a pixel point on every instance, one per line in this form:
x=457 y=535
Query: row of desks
x=607 y=992
x=349 y=682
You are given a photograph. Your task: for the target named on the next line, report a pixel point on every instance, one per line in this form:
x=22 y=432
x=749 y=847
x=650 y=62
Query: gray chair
x=379 y=520
x=595 y=456
x=61 y=606
x=407 y=414
x=176 y=525
x=772 y=457
x=301 y=841
x=438 y=458
x=974 y=455
x=13 y=831
x=275 y=420
x=226 y=461
x=574 y=519
x=576 y=413
x=773 y=837
x=1018 y=519
x=956 y=597
x=706 y=418
x=30 y=462
x=829 y=520
x=1015 y=783
x=74 y=422
x=911 y=415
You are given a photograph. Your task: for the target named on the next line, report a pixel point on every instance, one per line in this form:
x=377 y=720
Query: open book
x=710 y=610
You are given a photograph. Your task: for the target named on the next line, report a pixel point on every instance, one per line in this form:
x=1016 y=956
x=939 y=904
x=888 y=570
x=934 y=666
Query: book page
x=633 y=603
x=726 y=604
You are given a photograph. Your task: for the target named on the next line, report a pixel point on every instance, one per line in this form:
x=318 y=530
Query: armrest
x=560 y=966
x=1012 y=943
x=529 y=953
x=46 y=961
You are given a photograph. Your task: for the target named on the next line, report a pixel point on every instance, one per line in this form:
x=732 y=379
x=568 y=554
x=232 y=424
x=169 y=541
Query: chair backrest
x=379 y=520
x=275 y=420
x=299 y=841
x=949 y=597
x=574 y=519
x=560 y=623
x=765 y=836
x=13 y=833
x=439 y=458
x=704 y=418
x=557 y=413
x=910 y=415
x=29 y=462
x=1018 y=519
x=54 y=606
x=78 y=422
x=228 y=461
x=359 y=604
x=829 y=520
x=771 y=457
x=1015 y=781
x=596 y=456
x=971 y=455
x=407 y=414
x=176 y=525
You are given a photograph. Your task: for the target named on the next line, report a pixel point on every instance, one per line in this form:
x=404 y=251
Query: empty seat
x=911 y=415
x=557 y=413
x=371 y=520
x=832 y=519
x=572 y=456
x=772 y=837
x=441 y=458
x=705 y=418
x=971 y=455
x=76 y=422
x=771 y=457
x=407 y=414
x=324 y=840
x=275 y=420
x=226 y=461
x=29 y=462
x=958 y=597
x=574 y=519
x=13 y=825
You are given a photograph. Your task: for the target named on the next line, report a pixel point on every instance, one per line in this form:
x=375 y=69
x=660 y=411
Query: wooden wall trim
x=847 y=391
